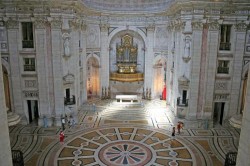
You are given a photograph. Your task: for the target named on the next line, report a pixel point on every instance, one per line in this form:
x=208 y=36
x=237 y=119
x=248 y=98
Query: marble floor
x=114 y=134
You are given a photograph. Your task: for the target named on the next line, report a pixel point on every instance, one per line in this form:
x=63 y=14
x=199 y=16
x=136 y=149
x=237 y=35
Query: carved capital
x=75 y=24
x=56 y=24
x=40 y=23
x=197 y=25
x=104 y=27
x=214 y=26
x=83 y=27
x=241 y=27
x=151 y=27
x=11 y=24
x=180 y=25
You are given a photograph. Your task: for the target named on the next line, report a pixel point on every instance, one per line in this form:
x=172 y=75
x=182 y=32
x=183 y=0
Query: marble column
x=42 y=71
x=243 y=158
x=240 y=34
x=212 y=43
x=195 y=70
x=5 y=155
x=149 y=57
x=15 y=69
x=170 y=64
x=104 y=71
x=57 y=53
x=84 y=63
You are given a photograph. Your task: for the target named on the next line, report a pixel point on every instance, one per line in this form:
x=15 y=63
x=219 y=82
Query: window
x=223 y=67
x=29 y=64
x=27 y=31
x=225 y=37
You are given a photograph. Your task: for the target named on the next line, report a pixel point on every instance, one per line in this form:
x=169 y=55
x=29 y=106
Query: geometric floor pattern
x=124 y=135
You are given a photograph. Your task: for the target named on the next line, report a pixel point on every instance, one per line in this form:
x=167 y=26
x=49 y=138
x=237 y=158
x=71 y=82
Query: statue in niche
x=187 y=47
x=66 y=47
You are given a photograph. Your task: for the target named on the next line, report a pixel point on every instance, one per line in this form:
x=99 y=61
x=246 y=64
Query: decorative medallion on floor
x=119 y=146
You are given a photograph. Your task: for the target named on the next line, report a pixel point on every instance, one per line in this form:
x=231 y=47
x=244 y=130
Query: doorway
x=218 y=112
x=33 y=110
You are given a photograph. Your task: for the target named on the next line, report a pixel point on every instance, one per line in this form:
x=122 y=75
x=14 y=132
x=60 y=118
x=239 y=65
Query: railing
x=231 y=159
x=183 y=103
x=126 y=77
x=17 y=158
x=69 y=101
x=28 y=43
x=224 y=70
x=225 y=46
x=29 y=68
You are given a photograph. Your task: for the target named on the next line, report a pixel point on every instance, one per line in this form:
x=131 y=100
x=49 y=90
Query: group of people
x=71 y=123
x=179 y=127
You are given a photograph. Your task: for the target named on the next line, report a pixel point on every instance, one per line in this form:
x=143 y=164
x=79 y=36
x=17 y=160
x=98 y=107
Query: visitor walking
x=179 y=127
x=61 y=136
x=173 y=133
x=63 y=123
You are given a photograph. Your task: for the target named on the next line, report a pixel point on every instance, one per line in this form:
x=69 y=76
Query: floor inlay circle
x=124 y=146
x=125 y=153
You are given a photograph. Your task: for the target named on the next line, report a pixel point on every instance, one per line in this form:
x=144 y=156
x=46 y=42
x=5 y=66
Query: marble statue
x=66 y=47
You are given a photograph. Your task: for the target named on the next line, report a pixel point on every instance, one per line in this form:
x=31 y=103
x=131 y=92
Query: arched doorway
x=93 y=83
x=159 y=77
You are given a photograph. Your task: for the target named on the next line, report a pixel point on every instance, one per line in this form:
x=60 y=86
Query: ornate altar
x=126 y=61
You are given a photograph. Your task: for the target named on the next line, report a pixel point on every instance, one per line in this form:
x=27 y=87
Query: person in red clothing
x=179 y=127
x=61 y=135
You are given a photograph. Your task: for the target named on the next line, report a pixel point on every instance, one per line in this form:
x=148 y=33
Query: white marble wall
x=49 y=53
x=236 y=69
x=15 y=59
x=212 y=44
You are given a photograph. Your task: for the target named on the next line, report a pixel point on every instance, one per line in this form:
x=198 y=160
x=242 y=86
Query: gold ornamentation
x=126 y=77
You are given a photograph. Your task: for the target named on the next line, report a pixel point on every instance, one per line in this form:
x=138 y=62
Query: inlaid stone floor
x=124 y=135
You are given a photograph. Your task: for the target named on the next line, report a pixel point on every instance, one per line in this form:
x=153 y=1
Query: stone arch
x=134 y=29
x=159 y=82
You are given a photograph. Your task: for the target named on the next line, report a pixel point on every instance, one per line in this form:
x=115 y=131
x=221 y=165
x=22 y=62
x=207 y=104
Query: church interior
x=129 y=82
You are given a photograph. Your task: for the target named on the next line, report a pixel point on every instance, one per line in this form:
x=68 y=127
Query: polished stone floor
x=114 y=134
